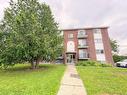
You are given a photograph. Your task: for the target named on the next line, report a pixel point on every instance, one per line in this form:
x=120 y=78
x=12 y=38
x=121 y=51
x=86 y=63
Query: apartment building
x=87 y=44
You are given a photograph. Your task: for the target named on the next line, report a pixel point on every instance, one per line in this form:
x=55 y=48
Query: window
x=70 y=46
x=97 y=31
x=83 y=54
x=99 y=51
x=98 y=40
x=70 y=36
x=81 y=32
x=82 y=42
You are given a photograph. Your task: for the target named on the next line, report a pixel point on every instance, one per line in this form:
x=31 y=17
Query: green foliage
x=114 y=45
x=29 y=33
x=92 y=63
x=105 y=65
x=118 y=58
x=86 y=63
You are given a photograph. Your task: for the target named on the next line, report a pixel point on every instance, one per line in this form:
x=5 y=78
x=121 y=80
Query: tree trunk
x=53 y=62
x=37 y=63
x=32 y=65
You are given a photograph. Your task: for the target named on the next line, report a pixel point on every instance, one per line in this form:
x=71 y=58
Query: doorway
x=70 y=58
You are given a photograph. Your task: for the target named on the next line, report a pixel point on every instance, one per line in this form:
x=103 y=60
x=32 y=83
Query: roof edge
x=84 y=28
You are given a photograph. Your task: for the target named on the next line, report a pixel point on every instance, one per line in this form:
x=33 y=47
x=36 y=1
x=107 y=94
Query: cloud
x=83 y=13
x=3 y=5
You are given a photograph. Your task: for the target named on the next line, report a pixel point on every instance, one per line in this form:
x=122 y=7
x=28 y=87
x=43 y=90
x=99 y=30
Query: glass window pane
x=70 y=36
x=98 y=40
x=83 y=54
x=82 y=42
x=99 y=51
x=81 y=32
x=97 y=31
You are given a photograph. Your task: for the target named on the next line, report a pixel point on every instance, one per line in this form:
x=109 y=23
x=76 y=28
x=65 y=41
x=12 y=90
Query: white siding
x=100 y=57
x=99 y=46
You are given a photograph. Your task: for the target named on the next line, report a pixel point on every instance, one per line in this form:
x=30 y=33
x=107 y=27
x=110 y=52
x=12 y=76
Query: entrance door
x=70 y=58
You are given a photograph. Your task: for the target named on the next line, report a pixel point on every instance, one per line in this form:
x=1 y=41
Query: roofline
x=70 y=29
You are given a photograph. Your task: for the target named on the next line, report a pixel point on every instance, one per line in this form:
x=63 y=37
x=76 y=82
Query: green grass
x=20 y=80
x=104 y=80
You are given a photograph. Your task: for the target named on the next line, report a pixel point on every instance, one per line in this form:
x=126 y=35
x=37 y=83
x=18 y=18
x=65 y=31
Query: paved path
x=71 y=83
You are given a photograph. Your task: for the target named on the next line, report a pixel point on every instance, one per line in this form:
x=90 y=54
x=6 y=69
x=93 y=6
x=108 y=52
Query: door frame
x=70 y=57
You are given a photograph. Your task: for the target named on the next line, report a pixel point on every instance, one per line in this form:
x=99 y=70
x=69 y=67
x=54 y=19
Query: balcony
x=83 y=46
x=82 y=36
x=84 y=56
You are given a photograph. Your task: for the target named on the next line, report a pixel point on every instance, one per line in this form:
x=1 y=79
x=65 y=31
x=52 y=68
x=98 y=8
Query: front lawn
x=104 y=80
x=22 y=81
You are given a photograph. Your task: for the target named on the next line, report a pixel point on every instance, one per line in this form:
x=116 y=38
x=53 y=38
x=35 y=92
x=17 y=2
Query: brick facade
x=74 y=52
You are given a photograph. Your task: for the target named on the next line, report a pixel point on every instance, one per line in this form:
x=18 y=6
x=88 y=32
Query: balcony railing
x=82 y=36
x=83 y=46
x=84 y=56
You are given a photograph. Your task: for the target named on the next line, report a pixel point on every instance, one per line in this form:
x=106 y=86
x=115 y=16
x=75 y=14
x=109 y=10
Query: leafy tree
x=30 y=33
x=118 y=58
x=114 y=45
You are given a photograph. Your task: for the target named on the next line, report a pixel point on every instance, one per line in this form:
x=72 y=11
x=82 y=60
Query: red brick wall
x=74 y=32
x=90 y=41
x=107 y=46
x=91 y=49
x=66 y=38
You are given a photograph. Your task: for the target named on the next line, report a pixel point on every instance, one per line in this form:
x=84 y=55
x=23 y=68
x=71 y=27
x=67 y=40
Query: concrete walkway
x=71 y=83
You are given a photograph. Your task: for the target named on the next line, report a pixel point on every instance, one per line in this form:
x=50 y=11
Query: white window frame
x=83 y=54
x=82 y=42
x=97 y=31
x=98 y=40
x=99 y=51
x=81 y=32
x=70 y=35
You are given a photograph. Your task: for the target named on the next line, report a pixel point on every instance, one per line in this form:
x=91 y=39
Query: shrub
x=118 y=58
x=81 y=63
x=92 y=63
x=105 y=65
x=86 y=63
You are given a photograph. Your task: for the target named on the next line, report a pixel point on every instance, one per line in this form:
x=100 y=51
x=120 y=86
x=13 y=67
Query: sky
x=89 y=13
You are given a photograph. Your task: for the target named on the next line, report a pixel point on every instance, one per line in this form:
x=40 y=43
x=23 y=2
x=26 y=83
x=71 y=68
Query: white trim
x=70 y=46
x=99 y=46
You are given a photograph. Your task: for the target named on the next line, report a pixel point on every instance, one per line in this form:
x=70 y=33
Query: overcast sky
x=89 y=13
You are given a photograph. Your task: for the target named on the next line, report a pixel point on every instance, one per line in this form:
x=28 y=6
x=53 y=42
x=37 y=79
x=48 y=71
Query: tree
x=114 y=45
x=30 y=33
x=118 y=58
